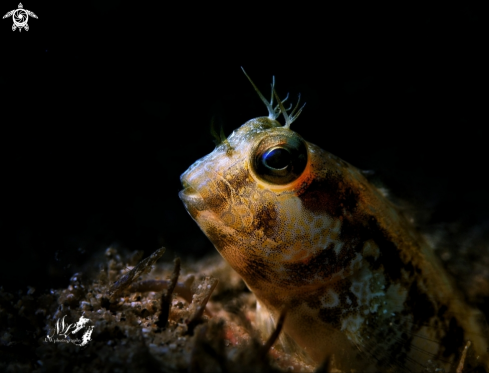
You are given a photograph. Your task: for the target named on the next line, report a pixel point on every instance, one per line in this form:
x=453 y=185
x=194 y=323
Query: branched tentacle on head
x=274 y=112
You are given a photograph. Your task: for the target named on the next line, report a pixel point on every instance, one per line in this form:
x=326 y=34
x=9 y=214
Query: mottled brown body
x=359 y=283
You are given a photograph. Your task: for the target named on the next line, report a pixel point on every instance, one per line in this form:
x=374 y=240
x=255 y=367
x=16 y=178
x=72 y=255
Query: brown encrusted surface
x=126 y=336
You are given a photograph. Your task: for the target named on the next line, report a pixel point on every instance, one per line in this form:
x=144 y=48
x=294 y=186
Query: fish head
x=257 y=198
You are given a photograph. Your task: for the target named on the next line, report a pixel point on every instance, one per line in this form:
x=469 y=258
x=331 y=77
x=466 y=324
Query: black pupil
x=277 y=158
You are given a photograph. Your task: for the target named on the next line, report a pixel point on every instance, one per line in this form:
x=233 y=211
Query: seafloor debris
x=166 y=297
x=123 y=333
x=210 y=323
x=143 y=267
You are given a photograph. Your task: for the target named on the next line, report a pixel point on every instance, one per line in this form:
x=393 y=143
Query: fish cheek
x=216 y=195
x=240 y=252
x=221 y=240
x=227 y=198
x=265 y=219
x=237 y=212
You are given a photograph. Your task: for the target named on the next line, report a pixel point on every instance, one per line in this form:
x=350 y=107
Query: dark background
x=105 y=104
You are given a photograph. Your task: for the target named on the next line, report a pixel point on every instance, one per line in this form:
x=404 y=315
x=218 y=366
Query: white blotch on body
x=352 y=324
x=366 y=290
x=331 y=299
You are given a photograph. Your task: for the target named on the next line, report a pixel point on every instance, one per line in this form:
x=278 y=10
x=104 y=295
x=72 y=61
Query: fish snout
x=192 y=200
x=189 y=195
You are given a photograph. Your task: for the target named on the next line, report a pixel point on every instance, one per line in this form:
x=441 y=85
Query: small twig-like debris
x=199 y=302
x=274 y=336
x=194 y=359
x=182 y=288
x=202 y=347
x=462 y=359
x=324 y=367
x=166 y=297
x=126 y=280
x=195 y=320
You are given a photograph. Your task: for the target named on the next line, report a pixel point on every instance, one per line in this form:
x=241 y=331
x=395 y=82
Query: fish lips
x=192 y=200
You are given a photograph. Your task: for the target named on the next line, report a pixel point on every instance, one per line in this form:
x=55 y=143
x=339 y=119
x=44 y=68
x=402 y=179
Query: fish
x=312 y=237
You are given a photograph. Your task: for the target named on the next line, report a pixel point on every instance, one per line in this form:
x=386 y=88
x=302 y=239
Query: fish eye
x=276 y=159
x=280 y=163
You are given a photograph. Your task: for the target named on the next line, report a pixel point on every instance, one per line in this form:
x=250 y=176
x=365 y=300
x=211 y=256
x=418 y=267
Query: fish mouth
x=191 y=198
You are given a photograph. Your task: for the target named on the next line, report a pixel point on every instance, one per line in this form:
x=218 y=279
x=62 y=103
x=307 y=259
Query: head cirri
x=307 y=231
